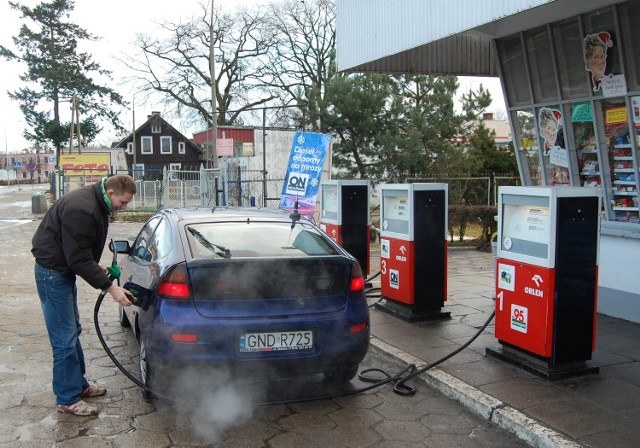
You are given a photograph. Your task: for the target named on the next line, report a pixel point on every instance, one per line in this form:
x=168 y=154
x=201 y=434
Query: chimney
x=487 y=116
x=155 y=112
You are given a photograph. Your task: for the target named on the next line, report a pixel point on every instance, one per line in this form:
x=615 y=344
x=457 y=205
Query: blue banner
x=304 y=171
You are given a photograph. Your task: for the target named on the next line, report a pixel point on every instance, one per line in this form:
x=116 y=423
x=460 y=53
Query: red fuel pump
x=346 y=218
x=413 y=250
x=546 y=278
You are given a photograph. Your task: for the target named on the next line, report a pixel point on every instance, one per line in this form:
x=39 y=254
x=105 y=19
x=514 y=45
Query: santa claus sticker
x=596 y=46
x=549 y=125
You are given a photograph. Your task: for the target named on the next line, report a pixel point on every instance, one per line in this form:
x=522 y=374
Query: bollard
x=38 y=203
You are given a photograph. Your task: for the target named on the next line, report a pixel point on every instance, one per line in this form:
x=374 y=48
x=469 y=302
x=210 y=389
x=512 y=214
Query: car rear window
x=256 y=239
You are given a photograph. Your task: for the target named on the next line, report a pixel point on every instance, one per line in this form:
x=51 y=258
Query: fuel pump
x=345 y=216
x=413 y=250
x=546 y=278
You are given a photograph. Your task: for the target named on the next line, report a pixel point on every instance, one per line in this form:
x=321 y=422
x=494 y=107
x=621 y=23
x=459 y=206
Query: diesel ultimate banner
x=304 y=171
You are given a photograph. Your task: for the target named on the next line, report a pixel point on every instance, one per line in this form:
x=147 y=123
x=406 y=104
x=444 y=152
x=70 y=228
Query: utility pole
x=213 y=159
x=135 y=149
x=75 y=125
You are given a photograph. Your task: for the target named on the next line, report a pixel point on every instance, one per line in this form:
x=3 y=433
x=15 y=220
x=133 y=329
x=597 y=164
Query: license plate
x=278 y=341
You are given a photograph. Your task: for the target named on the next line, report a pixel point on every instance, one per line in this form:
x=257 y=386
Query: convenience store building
x=570 y=72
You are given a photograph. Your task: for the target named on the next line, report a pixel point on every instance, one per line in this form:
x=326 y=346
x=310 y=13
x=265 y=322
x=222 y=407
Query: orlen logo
x=534 y=291
x=402 y=257
x=297 y=184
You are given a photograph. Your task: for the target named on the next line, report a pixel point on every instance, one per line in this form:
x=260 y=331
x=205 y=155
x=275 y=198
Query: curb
x=491 y=409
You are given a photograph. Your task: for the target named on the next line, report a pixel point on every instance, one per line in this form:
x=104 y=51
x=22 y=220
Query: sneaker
x=93 y=391
x=80 y=408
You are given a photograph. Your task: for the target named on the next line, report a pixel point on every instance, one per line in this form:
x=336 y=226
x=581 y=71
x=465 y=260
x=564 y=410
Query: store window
x=541 y=65
x=629 y=13
x=586 y=144
x=514 y=70
x=569 y=55
x=623 y=195
x=574 y=106
x=528 y=151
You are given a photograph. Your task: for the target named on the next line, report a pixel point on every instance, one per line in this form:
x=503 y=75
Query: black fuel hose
x=399 y=379
x=400 y=387
x=109 y=353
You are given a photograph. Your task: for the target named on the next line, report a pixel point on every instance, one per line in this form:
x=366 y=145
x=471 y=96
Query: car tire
x=145 y=370
x=341 y=376
x=122 y=317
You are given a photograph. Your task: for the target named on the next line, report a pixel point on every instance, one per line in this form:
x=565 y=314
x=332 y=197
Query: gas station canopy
x=452 y=37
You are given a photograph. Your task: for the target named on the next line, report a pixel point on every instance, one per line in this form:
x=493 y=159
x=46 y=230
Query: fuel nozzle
x=141 y=297
x=113 y=271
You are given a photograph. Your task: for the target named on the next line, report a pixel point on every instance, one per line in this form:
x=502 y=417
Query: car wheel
x=341 y=376
x=122 y=317
x=145 y=370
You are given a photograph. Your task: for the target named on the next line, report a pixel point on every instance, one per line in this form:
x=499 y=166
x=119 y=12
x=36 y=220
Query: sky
x=116 y=23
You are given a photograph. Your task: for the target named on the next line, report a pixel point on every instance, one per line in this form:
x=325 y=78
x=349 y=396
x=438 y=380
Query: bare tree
x=177 y=66
x=303 y=60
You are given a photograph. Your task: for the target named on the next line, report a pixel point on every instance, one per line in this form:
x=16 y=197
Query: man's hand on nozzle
x=120 y=295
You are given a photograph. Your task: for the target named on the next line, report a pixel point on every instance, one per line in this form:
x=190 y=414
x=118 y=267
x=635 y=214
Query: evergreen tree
x=394 y=128
x=362 y=112
x=494 y=159
x=432 y=133
x=56 y=71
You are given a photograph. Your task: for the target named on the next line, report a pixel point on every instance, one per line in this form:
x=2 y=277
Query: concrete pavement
x=599 y=410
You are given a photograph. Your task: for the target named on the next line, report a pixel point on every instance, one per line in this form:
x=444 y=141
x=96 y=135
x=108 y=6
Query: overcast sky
x=116 y=22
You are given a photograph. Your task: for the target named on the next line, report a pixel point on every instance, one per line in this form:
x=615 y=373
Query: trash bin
x=38 y=203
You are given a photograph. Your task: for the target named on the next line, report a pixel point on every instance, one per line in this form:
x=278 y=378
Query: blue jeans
x=59 y=301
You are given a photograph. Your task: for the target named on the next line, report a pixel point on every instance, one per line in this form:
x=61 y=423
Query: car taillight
x=358 y=328
x=357 y=279
x=187 y=338
x=175 y=284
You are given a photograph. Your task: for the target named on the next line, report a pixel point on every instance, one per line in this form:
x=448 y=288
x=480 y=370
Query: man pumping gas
x=69 y=243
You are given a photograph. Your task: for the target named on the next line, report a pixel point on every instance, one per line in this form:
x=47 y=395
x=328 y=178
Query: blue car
x=252 y=290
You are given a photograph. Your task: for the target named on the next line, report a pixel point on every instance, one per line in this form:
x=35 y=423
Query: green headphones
x=104 y=192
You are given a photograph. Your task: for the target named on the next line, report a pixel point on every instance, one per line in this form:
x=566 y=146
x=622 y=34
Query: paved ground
x=600 y=410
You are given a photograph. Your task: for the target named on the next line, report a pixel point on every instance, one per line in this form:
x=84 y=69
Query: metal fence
x=230 y=185
x=233 y=185
x=251 y=188
x=472 y=190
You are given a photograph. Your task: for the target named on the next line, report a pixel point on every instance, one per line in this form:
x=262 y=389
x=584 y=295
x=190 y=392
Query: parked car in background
x=253 y=290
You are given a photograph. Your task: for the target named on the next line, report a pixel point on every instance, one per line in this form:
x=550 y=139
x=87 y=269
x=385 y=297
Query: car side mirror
x=120 y=246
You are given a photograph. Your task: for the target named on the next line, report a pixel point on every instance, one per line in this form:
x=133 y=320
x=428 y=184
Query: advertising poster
x=596 y=46
x=550 y=123
x=94 y=165
x=635 y=103
x=304 y=171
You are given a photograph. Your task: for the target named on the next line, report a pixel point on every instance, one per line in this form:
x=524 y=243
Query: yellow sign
x=247 y=149
x=86 y=164
x=615 y=115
